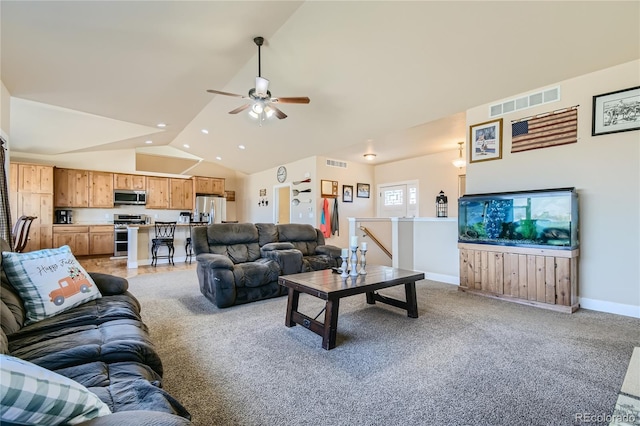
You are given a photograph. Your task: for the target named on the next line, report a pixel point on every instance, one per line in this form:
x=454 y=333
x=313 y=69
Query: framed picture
x=485 y=141
x=616 y=112
x=363 y=190
x=329 y=188
x=347 y=193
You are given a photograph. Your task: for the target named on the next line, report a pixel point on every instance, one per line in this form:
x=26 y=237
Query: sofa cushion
x=33 y=395
x=94 y=312
x=13 y=314
x=268 y=233
x=4 y=343
x=303 y=237
x=114 y=341
x=49 y=281
x=238 y=241
x=256 y=274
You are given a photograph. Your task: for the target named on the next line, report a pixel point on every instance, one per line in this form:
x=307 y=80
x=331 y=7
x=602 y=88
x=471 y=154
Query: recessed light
x=205 y=131
x=161 y=125
x=148 y=142
x=241 y=146
x=218 y=158
x=185 y=145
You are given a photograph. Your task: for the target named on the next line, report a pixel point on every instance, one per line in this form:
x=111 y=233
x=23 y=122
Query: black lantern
x=441 y=205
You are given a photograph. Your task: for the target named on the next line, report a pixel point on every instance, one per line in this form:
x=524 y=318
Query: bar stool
x=20 y=232
x=165 y=232
x=188 y=247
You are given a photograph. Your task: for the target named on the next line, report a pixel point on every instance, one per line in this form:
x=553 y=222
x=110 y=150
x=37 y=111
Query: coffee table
x=331 y=287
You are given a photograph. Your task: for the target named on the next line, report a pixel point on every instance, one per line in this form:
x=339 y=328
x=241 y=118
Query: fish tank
x=539 y=219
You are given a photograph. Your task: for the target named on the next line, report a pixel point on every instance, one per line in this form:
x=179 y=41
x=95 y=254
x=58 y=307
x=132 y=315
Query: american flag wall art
x=543 y=131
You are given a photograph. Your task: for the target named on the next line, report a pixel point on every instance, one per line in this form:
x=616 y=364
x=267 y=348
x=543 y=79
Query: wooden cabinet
x=71 y=188
x=35 y=178
x=540 y=277
x=76 y=237
x=157 y=192
x=100 y=189
x=208 y=186
x=180 y=194
x=101 y=239
x=85 y=240
x=31 y=194
x=134 y=182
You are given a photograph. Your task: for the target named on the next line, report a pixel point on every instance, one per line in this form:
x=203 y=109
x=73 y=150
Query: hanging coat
x=325 y=225
x=335 y=222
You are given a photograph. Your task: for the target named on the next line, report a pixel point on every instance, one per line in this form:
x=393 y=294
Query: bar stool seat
x=165 y=232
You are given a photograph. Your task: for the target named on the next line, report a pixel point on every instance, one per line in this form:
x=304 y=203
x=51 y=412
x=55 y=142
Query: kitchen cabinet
x=31 y=194
x=100 y=189
x=101 y=239
x=157 y=192
x=76 y=237
x=71 y=187
x=35 y=178
x=124 y=181
x=208 y=186
x=181 y=194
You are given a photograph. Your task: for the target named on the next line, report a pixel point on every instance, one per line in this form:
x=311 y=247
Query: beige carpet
x=467 y=360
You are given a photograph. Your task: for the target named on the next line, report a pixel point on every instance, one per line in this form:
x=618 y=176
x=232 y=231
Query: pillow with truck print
x=49 y=281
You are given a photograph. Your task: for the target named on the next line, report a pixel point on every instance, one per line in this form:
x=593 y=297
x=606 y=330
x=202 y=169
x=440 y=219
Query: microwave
x=127 y=196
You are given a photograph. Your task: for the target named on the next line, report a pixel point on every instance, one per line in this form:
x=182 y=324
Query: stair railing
x=377 y=242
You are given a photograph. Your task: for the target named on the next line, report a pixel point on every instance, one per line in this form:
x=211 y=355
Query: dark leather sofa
x=103 y=345
x=241 y=262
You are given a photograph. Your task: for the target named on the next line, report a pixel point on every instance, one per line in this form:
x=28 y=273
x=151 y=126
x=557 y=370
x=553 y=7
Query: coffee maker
x=64 y=216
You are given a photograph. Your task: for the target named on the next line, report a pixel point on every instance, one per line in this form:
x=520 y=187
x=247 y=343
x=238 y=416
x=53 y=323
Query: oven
x=120 y=232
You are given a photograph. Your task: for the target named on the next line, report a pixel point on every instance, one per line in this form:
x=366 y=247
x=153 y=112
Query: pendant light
x=459 y=162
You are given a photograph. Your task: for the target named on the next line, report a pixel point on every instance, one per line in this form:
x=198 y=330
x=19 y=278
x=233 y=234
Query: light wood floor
x=118 y=267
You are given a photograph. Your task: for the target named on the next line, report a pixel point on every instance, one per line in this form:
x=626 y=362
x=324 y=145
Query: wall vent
x=527 y=101
x=336 y=163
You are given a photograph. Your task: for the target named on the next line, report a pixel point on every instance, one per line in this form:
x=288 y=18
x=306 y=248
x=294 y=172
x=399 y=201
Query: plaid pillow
x=30 y=394
x=49 y=281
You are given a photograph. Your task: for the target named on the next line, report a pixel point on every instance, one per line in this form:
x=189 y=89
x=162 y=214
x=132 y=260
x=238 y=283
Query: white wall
x=605 y=171
x=434 y=173
x=5 y=107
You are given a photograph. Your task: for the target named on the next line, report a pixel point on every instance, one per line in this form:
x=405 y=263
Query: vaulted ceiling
x=392 y=78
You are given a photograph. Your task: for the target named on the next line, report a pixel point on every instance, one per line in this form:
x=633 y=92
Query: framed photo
x=347 y=193
x=363 y=190
x=485 y=141
x=616 y=112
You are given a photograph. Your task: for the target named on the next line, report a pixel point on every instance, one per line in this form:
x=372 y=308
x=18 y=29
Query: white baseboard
x=447 y=279
x=610 y=307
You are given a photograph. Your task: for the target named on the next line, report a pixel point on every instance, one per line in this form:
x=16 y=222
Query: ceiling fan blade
x=294 y=100
x=239 y=109
x=262 y=86
x=218 y=92
x=279 y=113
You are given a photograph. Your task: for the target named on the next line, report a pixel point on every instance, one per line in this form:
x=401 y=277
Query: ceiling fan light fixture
x=269 y=111
x=253 y=114
x=258 y=107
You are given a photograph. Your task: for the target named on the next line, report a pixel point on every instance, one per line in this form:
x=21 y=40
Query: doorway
x=398 y=199
x=282 y=204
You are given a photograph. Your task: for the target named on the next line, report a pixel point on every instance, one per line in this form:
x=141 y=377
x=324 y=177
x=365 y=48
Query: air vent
x=336 y=163
x=528 y=101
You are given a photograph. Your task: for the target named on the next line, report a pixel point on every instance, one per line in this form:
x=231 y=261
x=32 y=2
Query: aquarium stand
x=545 y=278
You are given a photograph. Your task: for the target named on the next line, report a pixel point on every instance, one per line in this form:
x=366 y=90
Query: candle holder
x=344 y=267
x=363 y=262
x=354 y=261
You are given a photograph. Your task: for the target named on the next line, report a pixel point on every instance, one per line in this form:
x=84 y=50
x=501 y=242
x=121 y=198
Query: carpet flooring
x=467 y=360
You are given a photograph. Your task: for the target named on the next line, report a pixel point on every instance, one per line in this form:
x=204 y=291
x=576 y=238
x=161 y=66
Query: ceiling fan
x=262 y=104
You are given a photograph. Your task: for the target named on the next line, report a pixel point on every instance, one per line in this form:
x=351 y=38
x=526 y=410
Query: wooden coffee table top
x=326 y=284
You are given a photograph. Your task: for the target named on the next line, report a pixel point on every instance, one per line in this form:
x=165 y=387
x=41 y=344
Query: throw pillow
x=30 y=394
x=49 y=281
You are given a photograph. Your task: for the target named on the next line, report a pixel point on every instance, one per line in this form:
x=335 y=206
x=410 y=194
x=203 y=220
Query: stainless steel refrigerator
x=210 y=209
